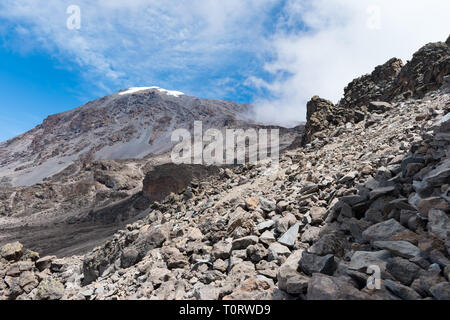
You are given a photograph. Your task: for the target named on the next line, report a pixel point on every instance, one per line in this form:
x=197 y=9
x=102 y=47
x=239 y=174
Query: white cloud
x=217 y=48
x=143 y=42
x=345 y=39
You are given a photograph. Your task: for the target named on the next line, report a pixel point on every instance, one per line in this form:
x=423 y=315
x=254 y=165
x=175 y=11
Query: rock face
x=321 y=114
x=425 y=72
x=358 y=212
x=372 y=87
x=168 y=178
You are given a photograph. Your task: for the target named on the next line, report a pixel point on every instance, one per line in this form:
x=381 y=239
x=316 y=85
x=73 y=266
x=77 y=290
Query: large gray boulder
x=383 y=230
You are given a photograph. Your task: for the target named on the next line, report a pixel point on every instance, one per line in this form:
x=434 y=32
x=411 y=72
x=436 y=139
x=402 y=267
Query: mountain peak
x=133 y=90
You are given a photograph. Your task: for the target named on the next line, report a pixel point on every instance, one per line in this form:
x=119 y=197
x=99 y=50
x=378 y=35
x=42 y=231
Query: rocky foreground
x=369 y=190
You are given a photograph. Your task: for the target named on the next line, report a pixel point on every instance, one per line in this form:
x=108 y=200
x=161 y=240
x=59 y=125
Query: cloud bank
x=273 y=53
x=203 y=47
x=339 y=41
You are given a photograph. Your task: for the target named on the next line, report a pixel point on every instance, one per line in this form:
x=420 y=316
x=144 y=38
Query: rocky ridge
x=393 y=81
x=359 y=194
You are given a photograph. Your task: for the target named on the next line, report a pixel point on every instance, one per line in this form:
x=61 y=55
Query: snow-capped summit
x=137 y=89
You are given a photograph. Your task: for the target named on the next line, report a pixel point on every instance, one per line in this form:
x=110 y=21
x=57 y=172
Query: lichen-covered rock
x=50 y=289
x=12 y=251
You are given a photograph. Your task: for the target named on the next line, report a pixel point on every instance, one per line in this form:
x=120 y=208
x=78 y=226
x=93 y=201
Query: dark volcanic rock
x=168 y=178
x=311 y=263
x=372 y=87
x=320 y=115
x=425 y=72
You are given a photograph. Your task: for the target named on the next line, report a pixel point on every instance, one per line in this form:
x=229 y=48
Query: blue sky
x=32 y=87
x=275 y=54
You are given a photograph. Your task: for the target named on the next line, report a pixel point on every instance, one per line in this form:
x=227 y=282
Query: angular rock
x=311 y=263
x=13 y=271
x=50 y=289
x=356 y=227
x=150 y=239
x=267 y=237
x=288 y=239
x=252 y=203
x=403 y=249
x=129 y=257
x=383 y=230
x=256 y=252
x=28 y=281
x=174 y=258
x=403 y=270
x=323 y=287
x=439 y=258
x=12 y=251
x=317 y=214
x=308 y=189
x=436 y=203
x=349 y=176
x=282 y=205
x=243 y=243
x=14 y=288
x=263 y=226
x=408 y=161
x=282 y=224
x=425 y=281
x=258 y=288
x=441 y=291
x=278 y=251
x=267 y=269
x=320 y=114
x=158 y=276
x=237 y=219
x=297 y=284
x=438 y=224
x=310 y=234
x=330 y=243
x=439 y=176
x=361 y=260
x=289 y=279
x=401 y=291
x=221 y=250
x=44 y=263
x=194 y=234
x=353 y=200
x=241 y=271
x=376 y=193
x=267 y=205
x=220 y=265
x=209 y=292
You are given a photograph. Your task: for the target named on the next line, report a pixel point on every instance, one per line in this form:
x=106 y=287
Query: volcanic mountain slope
x=369 y=190
x=132 y=124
